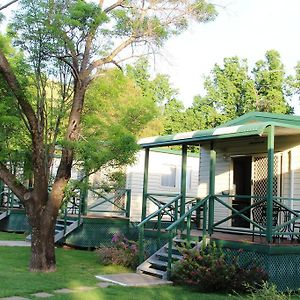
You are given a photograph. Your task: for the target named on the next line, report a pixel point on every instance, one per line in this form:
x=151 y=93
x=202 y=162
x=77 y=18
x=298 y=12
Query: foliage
x=293 y=86
x=158 y=90
x=232 y=90
x=114 y=114
x=12 y=131
x=207 y=270
x=70 y=43
x=123 y=252
x=268 y=291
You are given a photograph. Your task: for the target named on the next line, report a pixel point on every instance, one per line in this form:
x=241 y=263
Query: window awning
x=250 y=129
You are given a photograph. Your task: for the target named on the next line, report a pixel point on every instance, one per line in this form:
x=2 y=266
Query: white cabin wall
x=157 y=161
x=222 y=182
x=295 y=176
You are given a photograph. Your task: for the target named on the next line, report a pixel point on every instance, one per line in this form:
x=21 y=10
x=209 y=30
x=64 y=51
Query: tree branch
x=13 y=83
x=110 y=58
x=113 y=6
x=10 y=180
x=8 y=4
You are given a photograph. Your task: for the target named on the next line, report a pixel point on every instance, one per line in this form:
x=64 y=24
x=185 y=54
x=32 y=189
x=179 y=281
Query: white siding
x=157 y=163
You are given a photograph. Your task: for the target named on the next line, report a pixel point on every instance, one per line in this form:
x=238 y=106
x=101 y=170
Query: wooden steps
x=62 y=228
x=156 y=265
x=3 y=214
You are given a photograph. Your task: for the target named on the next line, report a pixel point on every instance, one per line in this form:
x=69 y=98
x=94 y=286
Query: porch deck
x=246 y=238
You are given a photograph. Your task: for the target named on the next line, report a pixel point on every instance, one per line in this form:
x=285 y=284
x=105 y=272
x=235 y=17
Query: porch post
x=83 y=195
x=212 y=175
x=145 y=184
x=270 y=183
x=183 y=180
x=1 y=192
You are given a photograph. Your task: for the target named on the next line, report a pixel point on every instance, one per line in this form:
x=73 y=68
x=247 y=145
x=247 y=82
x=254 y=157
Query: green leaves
x=115 y=113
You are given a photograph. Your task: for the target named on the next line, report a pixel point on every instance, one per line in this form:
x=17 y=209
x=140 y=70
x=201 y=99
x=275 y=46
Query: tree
x=270 y=82
x=73 y=40
x=293 y=84
x=231 y=91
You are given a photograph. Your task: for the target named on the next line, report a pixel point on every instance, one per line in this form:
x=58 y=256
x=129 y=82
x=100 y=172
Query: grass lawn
x=74 y=268
x=149 y=293
x=11 y=236
x=77 y=268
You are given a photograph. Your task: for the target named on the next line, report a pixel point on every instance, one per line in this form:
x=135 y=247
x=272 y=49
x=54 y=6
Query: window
x=189 y=179
x=168 y=176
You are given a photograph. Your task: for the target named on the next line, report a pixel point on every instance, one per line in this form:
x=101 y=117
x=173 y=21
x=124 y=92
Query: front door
x=242 y=180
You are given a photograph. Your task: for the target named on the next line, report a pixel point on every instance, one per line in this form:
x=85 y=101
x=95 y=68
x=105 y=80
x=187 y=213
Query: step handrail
x=181 y=220
x=157 y=212
x=188 y=213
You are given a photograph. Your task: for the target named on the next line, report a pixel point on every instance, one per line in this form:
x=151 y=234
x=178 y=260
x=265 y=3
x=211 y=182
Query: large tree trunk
x=42 y=219
x=42 y=243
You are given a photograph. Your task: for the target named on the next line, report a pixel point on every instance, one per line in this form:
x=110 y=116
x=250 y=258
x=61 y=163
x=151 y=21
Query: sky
x=244 y=28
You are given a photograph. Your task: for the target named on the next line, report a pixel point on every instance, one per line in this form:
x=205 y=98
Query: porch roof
x=225 y=132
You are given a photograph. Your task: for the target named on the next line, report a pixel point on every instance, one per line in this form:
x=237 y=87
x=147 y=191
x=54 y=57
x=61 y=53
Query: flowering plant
x=123 y=252
x=207 y=270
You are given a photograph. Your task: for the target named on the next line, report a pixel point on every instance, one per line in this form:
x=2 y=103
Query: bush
x=207 y=270
x=268 y=291
x=123 y=252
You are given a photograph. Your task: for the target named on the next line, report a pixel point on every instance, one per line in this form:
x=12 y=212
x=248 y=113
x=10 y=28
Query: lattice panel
x=283 y=269
x=260 y=176
x=120 y=202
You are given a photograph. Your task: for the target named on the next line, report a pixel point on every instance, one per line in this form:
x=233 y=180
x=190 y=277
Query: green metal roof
x=249 y=129
x=264 y=117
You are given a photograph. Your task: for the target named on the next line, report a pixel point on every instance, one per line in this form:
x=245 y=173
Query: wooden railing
x=112 y=201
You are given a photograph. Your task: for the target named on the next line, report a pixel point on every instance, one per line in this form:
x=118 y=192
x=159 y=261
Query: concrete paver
x=85 y=288
x=15 y=243
x=133 y=279
x=42 y=295
x=14 y=298
x=105 y=284
x=64 y=291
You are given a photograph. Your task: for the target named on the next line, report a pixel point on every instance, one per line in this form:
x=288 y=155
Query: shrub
x=207 y=270
x=268 y=291
x=122 y=252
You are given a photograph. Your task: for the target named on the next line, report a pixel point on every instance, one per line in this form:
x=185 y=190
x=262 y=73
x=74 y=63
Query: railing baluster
x=141 y=244
x=128 y=203
x=170 y=245
x=188 y=227
x=159 y=230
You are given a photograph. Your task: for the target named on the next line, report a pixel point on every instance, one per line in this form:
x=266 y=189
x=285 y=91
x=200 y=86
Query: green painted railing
x=8 y=200
x=111 y=200
x=186 y=221
x=71 y=206
x=285 y=228
x=172 y=205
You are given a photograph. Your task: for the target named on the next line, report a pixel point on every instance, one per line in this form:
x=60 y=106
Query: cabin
x=248 y=196
x=240 y=189
x=90 y=217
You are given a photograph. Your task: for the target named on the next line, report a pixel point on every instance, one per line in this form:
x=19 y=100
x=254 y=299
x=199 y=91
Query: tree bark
x=42 y=242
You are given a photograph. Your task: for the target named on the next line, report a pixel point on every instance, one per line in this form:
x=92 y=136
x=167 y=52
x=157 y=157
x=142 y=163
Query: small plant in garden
x=207 y=270
x=123 y=252
x=268 y=291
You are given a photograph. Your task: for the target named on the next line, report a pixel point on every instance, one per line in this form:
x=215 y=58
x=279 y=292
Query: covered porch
x=246 y=196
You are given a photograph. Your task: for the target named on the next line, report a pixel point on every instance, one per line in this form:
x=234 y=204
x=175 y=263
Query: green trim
x=270 y=183
x=250 y=124
x=183 y=179
x=212 y=179
x=174 y=152
x=264 y=117
x=145 y=184
x=251 y=129
x=259 y=248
